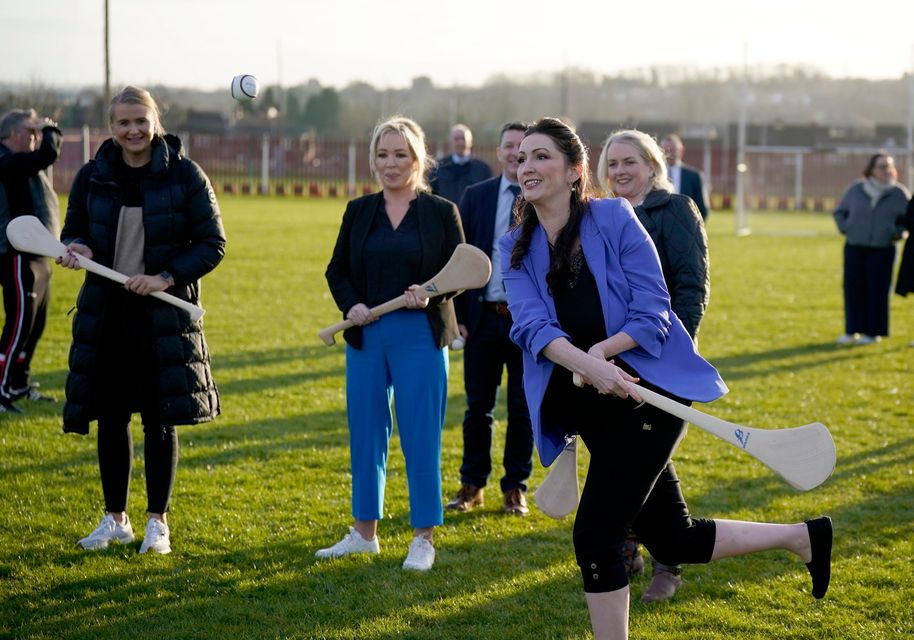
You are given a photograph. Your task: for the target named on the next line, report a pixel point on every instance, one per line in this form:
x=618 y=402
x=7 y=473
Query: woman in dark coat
x=148 y=212
x=632 y=166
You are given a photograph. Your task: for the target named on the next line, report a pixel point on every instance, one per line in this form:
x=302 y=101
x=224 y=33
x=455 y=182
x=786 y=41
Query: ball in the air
x=245 y=87
x=457 y=344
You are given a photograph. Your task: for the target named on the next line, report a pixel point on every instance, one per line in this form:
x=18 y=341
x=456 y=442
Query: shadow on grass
x=239 y=359
x=263 y=439
x=280 y=590
x=739 y=367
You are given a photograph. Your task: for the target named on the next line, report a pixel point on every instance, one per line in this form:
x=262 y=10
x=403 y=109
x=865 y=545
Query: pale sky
x=203 y=43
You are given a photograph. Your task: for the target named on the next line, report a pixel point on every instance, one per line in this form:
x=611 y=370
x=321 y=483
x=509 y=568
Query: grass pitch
x=265 y=485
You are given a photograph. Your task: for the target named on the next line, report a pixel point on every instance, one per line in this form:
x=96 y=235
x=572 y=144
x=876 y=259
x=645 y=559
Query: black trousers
x=115 y=461
x=488 y=352
x=26 y=281
x=127 y=383
x=631 y=485
x=867 y=287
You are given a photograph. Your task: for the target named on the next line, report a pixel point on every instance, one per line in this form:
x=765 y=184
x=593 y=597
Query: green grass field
x=265 y=485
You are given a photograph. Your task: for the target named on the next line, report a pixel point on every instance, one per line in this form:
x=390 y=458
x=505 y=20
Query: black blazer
x=439 y=231
x=691 y=185
x=478 y=207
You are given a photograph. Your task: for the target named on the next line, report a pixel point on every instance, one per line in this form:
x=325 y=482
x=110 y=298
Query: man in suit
x=460 y=169
x=686 y=180
x=484 y=323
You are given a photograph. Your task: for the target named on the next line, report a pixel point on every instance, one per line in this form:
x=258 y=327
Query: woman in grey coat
x=871 y=217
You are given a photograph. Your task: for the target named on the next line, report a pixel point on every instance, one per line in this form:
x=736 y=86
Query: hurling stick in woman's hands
x=468 y=268
x=803 y=456
x=27 y=234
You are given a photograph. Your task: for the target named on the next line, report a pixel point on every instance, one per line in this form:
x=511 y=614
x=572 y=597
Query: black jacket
x=25 y=187
x=184 y=236
x=449 y=179
x=678 y=232
x=691 y=185
x=440 y=232
x=905 y=283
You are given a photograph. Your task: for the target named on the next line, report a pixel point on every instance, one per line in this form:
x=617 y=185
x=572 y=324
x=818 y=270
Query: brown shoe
x=664 y=584
x=466 y=499
x=516 y=502
x=631 y=556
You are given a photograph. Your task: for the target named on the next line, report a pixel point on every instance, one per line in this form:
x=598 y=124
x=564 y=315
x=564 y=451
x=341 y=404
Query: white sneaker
x=869 y=339
x=352 y=542
x=847 y=338
x=421 y=555
x=157 y=537
x=108 y=531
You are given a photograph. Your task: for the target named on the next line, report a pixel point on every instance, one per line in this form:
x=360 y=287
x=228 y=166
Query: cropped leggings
x=631 y=484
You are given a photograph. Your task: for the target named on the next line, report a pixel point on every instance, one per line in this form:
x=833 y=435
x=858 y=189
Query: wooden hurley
x=468 y=268
x=27 y=234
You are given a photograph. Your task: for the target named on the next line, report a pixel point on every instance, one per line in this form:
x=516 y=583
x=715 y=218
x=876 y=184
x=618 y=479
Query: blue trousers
x=867 y=287
x=398 y=359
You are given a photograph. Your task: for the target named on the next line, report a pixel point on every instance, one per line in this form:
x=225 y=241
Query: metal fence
x=784 y=178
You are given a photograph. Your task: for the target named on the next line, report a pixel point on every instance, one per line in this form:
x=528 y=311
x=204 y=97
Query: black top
x=392 y=257
x=577 y=305
x=580 y=314
x=130 y=180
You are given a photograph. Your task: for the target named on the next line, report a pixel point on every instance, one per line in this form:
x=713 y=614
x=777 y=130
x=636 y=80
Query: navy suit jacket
x=691 y=185
x=478 y=207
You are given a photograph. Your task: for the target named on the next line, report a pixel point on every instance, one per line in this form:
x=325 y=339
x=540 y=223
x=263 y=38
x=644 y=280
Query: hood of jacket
x=164 y=148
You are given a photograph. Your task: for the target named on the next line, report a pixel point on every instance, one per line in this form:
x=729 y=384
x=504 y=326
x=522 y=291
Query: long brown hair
x=569 y=144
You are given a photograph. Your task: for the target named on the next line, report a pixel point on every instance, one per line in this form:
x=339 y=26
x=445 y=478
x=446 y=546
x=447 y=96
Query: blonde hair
x=136 y=95
x=415 y=140
x=649 y=151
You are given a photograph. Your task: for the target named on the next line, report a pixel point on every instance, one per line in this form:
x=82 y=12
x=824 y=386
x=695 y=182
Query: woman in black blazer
x=389 y=242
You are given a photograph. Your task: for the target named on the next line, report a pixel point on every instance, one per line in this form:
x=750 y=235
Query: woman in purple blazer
x=587 y=296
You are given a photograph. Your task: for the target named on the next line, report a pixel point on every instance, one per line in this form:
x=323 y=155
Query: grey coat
x=866 y=226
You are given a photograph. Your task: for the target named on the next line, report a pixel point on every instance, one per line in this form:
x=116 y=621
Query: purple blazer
x=635 y=300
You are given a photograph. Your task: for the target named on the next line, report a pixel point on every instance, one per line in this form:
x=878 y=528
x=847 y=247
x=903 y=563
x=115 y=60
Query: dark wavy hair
x=871 y=165
x=570 y=146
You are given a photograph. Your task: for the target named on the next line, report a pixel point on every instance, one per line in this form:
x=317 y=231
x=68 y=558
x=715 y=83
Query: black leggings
x=115 y=461
x=631 y=484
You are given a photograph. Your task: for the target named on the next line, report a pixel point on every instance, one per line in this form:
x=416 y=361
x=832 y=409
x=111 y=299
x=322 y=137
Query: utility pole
x=107 y=99
x=910 y=161
x=741 y=228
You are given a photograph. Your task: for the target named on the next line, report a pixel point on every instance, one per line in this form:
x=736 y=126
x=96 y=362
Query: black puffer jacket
x=184 y=236
x=678 y=232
